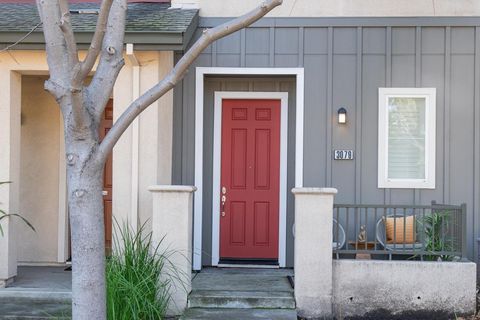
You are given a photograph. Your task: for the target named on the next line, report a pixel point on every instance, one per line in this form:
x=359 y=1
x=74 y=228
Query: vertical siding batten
x=358 y=117
x=388 y=83
x=177 y=137
x=418 y=83
x=476 y=188
x=301 y=39
x=328 y=152
x=446 y=118
x=185 y=137
x=243 y=55
x=214 y=54
x=272 y=47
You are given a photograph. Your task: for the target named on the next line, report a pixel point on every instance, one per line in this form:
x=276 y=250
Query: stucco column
x=10 y=107
x=313 y=252
x=143 y=155
x=172 y=228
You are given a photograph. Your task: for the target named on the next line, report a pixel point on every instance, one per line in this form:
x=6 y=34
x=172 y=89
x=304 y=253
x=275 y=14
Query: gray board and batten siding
x=346 y=60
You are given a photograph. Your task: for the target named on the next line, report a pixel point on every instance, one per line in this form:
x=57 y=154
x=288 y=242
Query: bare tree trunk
x=85 y=204
x=88 y=243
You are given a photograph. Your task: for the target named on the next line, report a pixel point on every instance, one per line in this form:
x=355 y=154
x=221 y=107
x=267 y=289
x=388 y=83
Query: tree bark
x=85 y=207
x=88 y=242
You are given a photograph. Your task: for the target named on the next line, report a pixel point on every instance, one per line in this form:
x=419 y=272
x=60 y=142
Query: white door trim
x=201 y=72
x=217 y=166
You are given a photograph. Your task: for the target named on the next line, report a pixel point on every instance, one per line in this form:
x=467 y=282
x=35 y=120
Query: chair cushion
x=400 y=230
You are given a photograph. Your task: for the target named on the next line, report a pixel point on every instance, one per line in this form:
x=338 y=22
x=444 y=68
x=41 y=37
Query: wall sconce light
x=342 y=115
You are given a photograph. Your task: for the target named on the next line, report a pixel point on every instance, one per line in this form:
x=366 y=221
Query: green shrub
x=435 y=228
x=134 y=290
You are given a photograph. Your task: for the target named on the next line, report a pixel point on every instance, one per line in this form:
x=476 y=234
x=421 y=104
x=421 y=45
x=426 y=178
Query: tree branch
x=66 y=27
x=111 y=59
x=96 y=44
x=178 y=72
x=57 y=55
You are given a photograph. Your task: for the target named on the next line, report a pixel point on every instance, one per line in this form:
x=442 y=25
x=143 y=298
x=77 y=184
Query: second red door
x=250 y=177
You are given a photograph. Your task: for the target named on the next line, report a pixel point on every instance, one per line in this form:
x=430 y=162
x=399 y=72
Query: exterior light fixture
x=342 y=115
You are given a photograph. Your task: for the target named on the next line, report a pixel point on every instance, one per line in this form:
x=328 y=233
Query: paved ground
x=53 y=278
x=38 y=293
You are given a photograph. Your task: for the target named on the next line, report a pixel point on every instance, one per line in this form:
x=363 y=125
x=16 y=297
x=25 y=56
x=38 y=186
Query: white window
x=406 y=138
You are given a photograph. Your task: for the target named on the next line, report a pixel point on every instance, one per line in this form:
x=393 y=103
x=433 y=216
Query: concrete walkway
x=218 y=293
x=37 y=293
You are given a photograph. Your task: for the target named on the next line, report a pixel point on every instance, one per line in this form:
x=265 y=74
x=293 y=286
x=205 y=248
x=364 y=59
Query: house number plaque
x=343 y=154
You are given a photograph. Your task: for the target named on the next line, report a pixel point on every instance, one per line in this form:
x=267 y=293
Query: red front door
x=250 y=177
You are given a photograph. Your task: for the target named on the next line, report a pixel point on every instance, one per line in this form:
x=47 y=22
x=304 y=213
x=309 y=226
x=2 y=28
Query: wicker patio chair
x=338 y=239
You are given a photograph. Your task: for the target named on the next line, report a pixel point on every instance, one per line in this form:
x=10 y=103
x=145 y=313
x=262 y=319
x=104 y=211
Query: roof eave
x=143 y=40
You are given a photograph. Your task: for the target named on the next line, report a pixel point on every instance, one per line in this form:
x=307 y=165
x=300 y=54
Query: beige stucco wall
x=34 y=161
x=334 y=8
x=9 y=167
x=39 y=172
x=155 y=139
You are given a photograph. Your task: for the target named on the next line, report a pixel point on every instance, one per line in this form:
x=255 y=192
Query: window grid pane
x=406 y=138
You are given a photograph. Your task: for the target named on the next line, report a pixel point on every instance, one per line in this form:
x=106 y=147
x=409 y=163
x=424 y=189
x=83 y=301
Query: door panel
x=250 y=164
x=105 y=125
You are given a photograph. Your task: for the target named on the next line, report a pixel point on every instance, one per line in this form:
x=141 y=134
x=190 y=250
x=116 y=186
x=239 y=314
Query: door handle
x=104 y=193
x=224 y=199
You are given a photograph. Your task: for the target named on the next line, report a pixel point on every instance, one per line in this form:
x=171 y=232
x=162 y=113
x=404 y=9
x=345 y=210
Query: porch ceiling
x=150 y=26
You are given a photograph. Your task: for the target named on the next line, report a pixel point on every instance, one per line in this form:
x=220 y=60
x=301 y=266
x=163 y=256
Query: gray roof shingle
x=141 y=17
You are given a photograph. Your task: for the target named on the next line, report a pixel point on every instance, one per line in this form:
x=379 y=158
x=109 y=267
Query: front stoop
x=241 y=294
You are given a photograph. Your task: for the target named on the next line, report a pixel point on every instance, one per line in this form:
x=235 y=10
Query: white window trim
x=201 y=72
x=217 y=142
x=430 y=132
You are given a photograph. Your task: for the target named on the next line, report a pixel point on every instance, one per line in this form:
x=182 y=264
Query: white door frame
x=201 y=72
x=217 y=167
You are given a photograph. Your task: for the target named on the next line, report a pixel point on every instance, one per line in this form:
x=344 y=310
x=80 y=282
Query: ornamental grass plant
x=137 y=277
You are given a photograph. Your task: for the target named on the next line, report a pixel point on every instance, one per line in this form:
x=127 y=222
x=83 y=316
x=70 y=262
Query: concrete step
x=34 y=295
x=239 y=314
x=241 y=299
x=34 y=310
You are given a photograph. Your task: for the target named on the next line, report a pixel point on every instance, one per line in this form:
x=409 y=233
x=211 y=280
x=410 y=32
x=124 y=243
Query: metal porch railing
x=421 y=232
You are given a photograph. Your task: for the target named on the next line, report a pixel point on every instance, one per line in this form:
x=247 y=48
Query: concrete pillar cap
x=171 y=188
x=314 y=191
